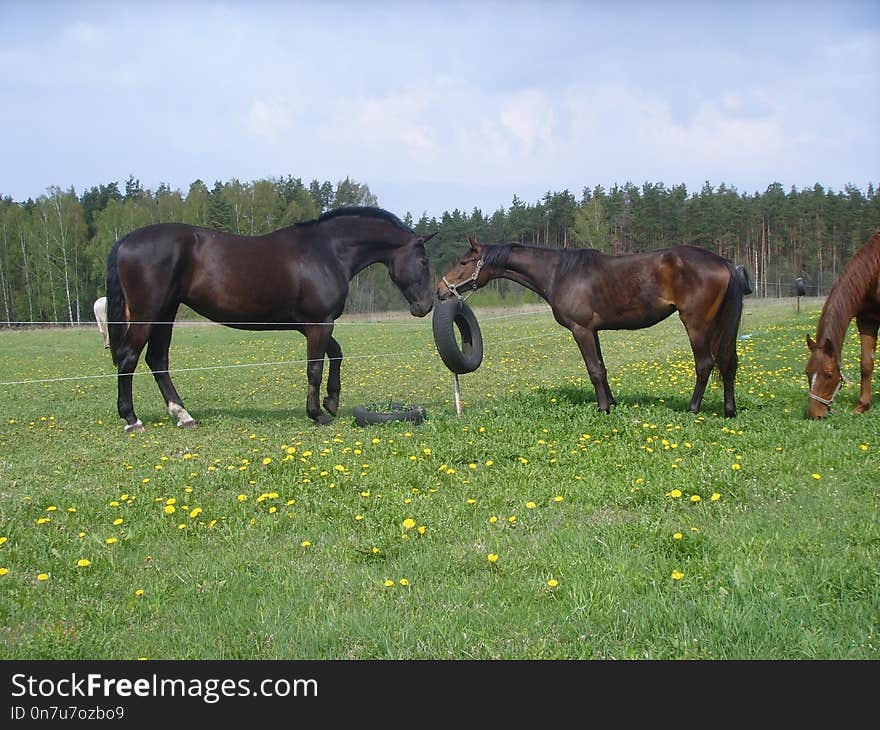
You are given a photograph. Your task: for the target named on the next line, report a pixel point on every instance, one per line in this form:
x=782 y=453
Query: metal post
x=457 y=394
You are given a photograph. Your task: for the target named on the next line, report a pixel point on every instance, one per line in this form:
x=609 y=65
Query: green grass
x=784 y=564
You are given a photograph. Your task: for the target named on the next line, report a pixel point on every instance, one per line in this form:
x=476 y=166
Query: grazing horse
x=296 y=278
x=589 y=291
x=856 y=293
x=100 y=309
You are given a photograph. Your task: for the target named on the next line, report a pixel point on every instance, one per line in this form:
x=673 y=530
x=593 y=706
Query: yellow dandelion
x=558 y=498
x=51 y=508
x=675 y=493
x=267 y=461
x=117 y=521
x=489 y=462
x=553 y=582
x=242 y=497
x=817 y=476
x=404 y=582
x=736 y=467
x=181 y=526
x=171 y=500
x=677 y=536
x=715 y=497
x=110 y=540
x=493 y=519
x=677 y=575
x=139 y=592
x=422 y=529
x=170 y=509
x=43 y=576
x=305 y=544
x=492 y=558
x=195 y=512
x=388 y=583
x=530 y=505
x=71 y=509
x=83 y=563
x=358 y=518
x=512 y=519
x=375 y=550
x=43 y=520
x=3 y=571
x=3 y=539
x=695 y=498
x=409 y=523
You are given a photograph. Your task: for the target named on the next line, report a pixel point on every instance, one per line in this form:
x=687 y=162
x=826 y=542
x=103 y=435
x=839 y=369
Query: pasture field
x=531 y=527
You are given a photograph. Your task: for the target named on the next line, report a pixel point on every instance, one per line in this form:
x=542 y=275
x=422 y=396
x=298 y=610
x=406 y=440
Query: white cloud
x=268 y=120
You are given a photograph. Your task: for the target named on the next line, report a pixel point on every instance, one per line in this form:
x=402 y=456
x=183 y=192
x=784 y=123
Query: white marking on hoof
x=136 y=427
x=183 y=418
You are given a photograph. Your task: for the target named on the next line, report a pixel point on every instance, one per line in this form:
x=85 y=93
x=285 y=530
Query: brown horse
x=856 y=293
x=296 y=278
x=589 y=291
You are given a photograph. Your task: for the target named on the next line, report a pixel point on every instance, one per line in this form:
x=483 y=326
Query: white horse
x=101 y=318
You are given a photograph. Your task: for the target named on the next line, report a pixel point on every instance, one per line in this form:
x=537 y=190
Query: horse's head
x=467 y=274
x=409 y=270
x=824 y=377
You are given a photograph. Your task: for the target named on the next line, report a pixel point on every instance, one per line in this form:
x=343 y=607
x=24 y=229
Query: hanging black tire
x=451 y=313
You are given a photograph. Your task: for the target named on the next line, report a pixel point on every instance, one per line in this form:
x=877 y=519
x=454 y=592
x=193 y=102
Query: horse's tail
x=116 y=306
x=743 y=273
x=728 y=319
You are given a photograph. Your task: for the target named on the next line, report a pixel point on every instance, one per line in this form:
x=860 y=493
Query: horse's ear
x=828 y=347
x=425 y=239
x=473 y=243
x=811 y=343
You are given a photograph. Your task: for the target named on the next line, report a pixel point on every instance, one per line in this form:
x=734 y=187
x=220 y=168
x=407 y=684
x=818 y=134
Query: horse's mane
x=575 y=258
x=848 y=292
x=359 y=212
x=495 y=256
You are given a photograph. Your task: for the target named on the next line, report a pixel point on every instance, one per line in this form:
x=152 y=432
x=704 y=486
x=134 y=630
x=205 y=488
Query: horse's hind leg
x=334 y=381
x=157 y=358
x=868 y=340
x=703 y=364
x=127 y=355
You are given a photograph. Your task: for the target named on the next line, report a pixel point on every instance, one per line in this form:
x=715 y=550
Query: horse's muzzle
x=419 y=309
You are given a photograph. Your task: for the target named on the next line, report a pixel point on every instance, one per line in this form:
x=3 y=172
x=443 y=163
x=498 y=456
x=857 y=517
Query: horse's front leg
x=317 y=339
x=588 y=344
x=868 y=340
x=334 y=381
x=611 y=399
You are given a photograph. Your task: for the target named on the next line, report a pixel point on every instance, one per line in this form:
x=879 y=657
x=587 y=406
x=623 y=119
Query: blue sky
x=440 y=105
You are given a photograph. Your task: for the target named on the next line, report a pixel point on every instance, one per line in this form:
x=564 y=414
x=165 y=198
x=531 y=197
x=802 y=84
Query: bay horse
x=589 y=291
x=856 y=293
x=296 y=278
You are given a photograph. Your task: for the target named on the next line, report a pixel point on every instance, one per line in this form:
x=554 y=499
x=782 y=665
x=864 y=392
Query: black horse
x=589 y=291
x=296 y=278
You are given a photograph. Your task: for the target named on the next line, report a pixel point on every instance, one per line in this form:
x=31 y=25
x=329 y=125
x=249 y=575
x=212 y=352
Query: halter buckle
x=472 y=281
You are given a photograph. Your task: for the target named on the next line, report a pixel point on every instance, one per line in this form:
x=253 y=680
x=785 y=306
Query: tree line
x=53 y=250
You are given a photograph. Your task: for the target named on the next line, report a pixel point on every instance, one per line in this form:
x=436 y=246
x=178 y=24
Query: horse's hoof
x=322 y=420
x=136 y=427
x=331 y=405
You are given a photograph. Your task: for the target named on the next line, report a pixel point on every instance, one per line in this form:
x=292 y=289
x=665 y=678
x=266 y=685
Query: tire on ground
x=451 y=313
x=364 y=416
